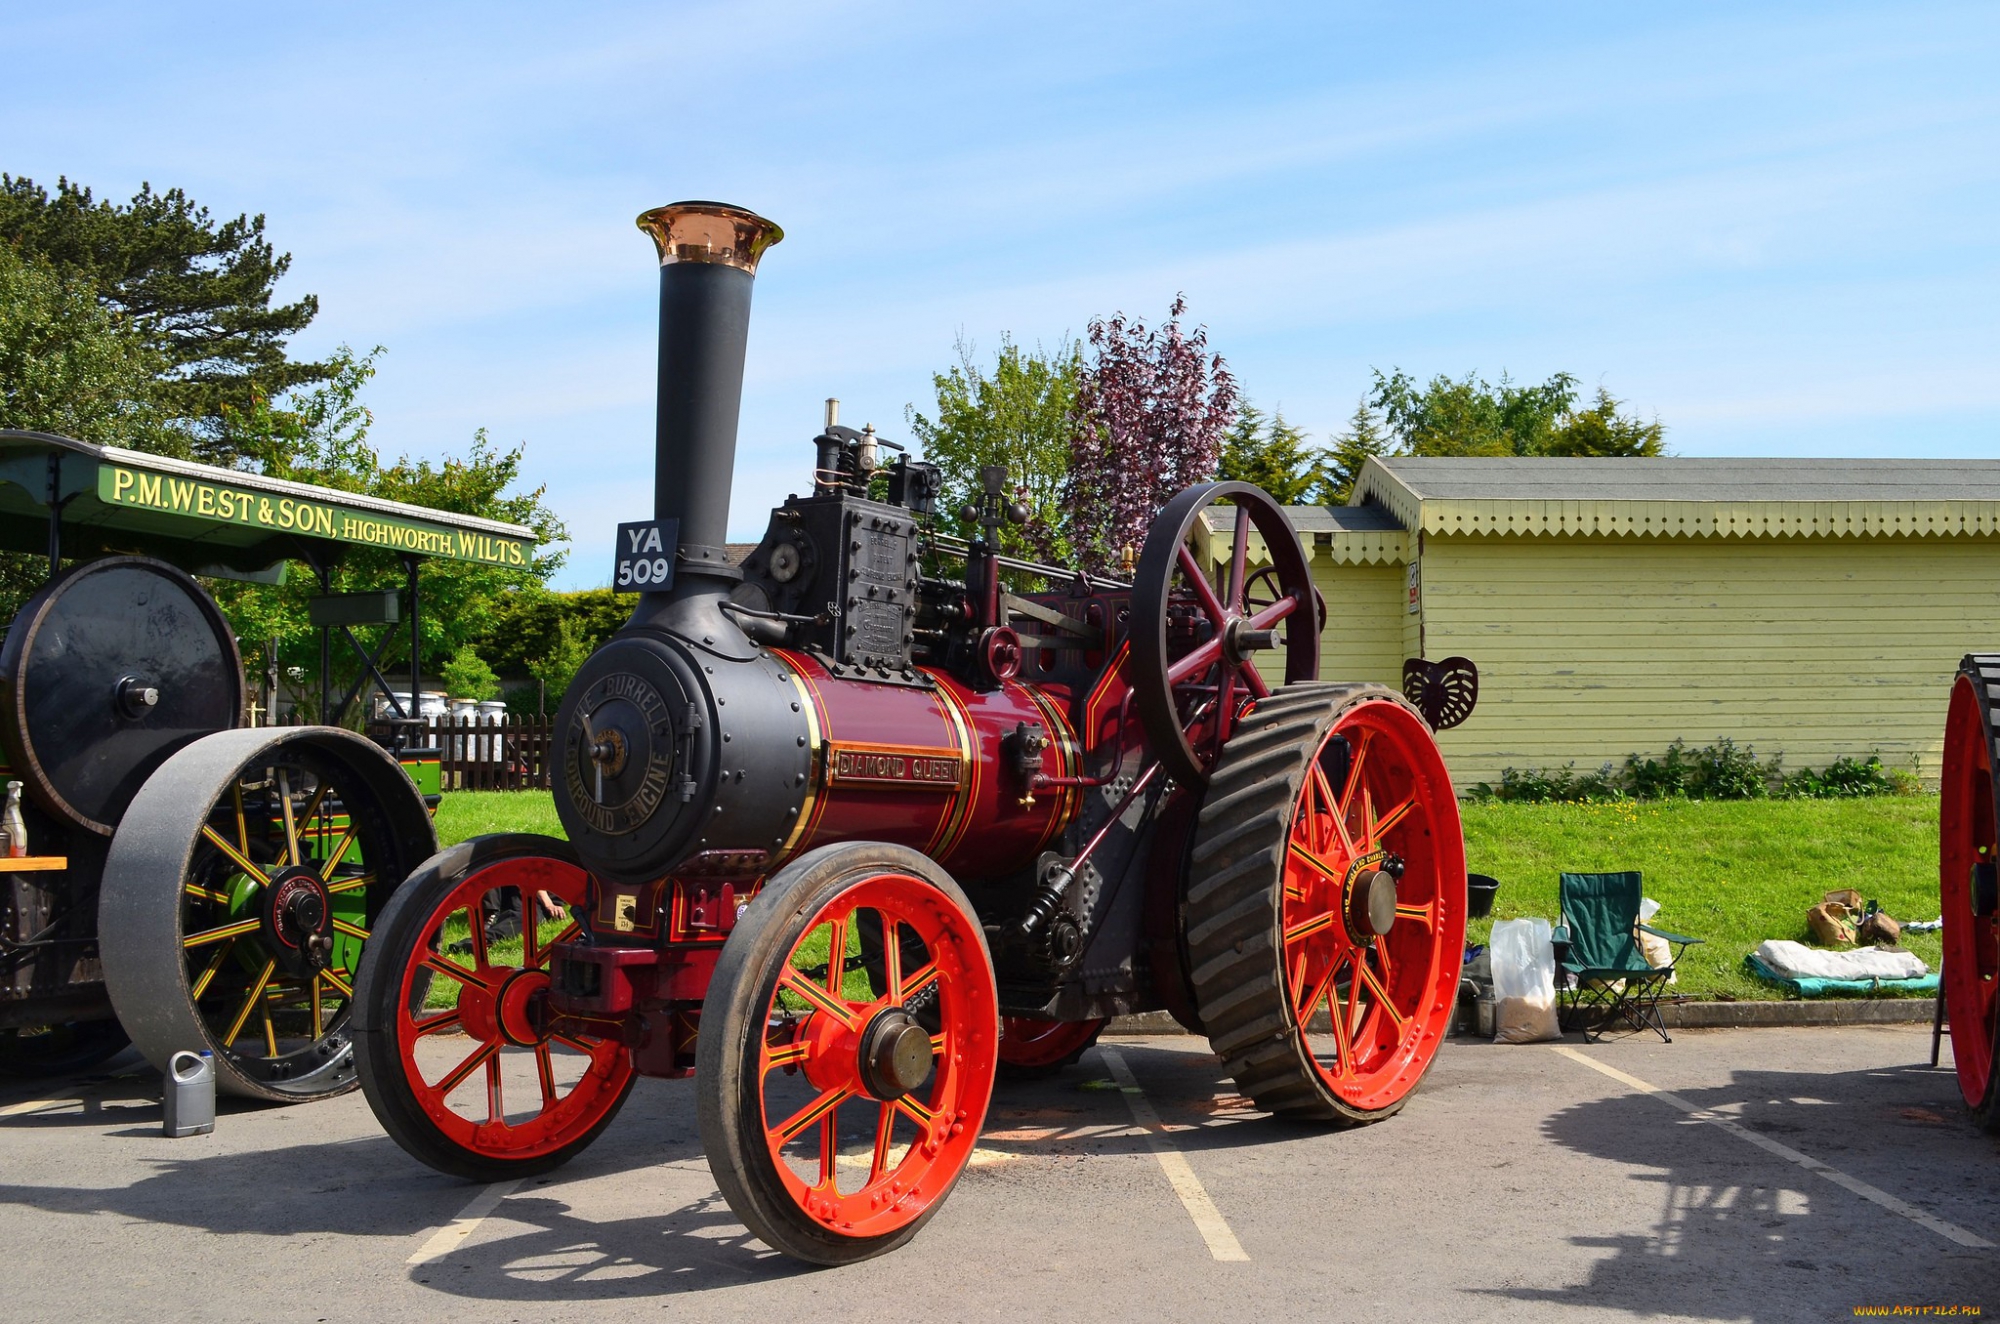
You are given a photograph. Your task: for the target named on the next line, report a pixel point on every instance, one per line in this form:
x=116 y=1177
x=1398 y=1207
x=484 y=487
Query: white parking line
x=453 y=1234
x=38 y=1105
x=1949 y=1231
x=1208 y=1220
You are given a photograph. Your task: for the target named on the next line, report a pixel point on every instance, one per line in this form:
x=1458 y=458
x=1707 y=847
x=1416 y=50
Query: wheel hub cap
x=298 y=920
x=895 y=1054
x=1371 y=903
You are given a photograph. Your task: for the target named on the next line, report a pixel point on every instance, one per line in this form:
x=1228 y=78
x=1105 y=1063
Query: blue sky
x=1772 y=226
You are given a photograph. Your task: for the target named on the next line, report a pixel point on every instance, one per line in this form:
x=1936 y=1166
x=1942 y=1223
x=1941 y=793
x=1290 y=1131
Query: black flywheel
x=106 y=672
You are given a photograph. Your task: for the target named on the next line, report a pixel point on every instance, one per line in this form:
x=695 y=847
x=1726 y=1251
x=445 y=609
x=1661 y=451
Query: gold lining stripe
x=952 y=824
x=815 y=745
x=1069 y=756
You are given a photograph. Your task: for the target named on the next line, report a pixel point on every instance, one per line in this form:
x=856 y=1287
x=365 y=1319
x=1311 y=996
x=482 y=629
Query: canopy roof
x=216 y=520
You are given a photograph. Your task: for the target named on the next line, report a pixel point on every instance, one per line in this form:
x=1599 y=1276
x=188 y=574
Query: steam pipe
x=708 y=262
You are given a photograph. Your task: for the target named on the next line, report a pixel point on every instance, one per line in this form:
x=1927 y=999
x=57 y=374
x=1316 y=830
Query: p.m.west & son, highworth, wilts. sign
x=224 y=503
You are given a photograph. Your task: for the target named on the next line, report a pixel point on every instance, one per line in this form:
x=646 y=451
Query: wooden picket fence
x=516 y=754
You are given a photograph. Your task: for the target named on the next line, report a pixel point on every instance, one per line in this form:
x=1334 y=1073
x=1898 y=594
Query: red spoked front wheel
x=1968 y=862
x=849 y=1054
x=449 y=1040
x=1328 y=881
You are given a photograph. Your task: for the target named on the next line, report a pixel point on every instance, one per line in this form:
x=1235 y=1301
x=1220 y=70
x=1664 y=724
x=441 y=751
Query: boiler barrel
x=931 y=769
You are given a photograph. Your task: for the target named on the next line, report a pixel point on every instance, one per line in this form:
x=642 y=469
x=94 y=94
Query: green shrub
x=1720 y=771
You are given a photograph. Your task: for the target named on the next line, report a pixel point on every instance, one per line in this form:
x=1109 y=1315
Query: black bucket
x=1479 y=890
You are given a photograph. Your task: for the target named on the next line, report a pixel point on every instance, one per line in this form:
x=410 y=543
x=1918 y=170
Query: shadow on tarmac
x=1743 y=1234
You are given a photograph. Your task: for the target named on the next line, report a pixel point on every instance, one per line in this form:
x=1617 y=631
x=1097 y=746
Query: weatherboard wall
x=1593 y=648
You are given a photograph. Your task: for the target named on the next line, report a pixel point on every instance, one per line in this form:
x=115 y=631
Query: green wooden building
x=1813 y=608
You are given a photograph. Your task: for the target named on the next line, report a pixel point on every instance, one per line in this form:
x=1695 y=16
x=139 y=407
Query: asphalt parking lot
x=1782 y=1175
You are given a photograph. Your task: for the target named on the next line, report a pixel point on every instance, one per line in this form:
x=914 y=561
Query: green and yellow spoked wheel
x=240 y=892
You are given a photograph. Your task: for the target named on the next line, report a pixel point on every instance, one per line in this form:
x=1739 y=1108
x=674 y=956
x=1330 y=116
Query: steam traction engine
x=878 y=814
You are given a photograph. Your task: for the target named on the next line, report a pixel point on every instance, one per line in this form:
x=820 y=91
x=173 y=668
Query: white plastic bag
x=1524 y=982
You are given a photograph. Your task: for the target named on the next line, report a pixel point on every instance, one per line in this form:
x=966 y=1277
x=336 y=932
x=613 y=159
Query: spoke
x=318 y=1015
x=918 y=982
x=206 y=894
x=885 y=1127
x=236 y=930
x=535 y=954
x=249 y=1005
x=1319 y=990
x=475 y=922
x=916 y=1112
x=793 y=982
x=1336 y=811
x=1382 y=998
x=592 y=1051
x=892 y=957
x=1239 y=553
x=466 y=1068
x=444 y=1020
x=202 y=981
x=1307 y=928
x=1253 y=680
x=836 y=955
x=496 y=1103
x=339 y=852
x=1197 y=662
x=812 y=1112
x=1327 y=871
x=1421 y=914
x=352 y=930
x=312 y=809
x=353 y=884
x=292 y=853
x=786 y=1054
x=458 y=972
x=1343 y=1040
x=1381 y=949
x=242 y=826
x=270 y=1030
x=829 y=1153
x=1272 y=614
x=938 y=1042
x=1202 y=588
x=242 y=861
x=1388 y=821
x=1354 y=776
x=345 y=989
x=546 y=1070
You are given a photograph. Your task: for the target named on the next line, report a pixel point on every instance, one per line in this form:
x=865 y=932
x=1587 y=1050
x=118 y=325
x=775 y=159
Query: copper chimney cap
x=709 y=232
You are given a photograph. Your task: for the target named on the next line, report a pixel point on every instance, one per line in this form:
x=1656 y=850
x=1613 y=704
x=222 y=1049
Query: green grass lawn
x=463 y=814
x=1732 y=872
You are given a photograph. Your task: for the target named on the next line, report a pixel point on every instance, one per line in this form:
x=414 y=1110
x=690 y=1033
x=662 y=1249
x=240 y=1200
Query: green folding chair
x=1610 y=980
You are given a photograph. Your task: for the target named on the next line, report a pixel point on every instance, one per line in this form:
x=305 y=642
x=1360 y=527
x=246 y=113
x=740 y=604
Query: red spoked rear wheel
x=1357 y=916
x=1969 y=857
x=448 y=1043
x=843 y=1093
x=1031 y=1047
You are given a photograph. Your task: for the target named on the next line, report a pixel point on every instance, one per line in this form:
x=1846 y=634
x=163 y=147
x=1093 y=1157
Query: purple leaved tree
x=1150 y=413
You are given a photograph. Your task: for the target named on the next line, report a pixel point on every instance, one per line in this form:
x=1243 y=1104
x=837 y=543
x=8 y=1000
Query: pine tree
x=1272 y=454
x=1342 y=467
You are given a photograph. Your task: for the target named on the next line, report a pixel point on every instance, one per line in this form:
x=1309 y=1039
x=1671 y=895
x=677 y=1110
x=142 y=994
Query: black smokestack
x=708 y=262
